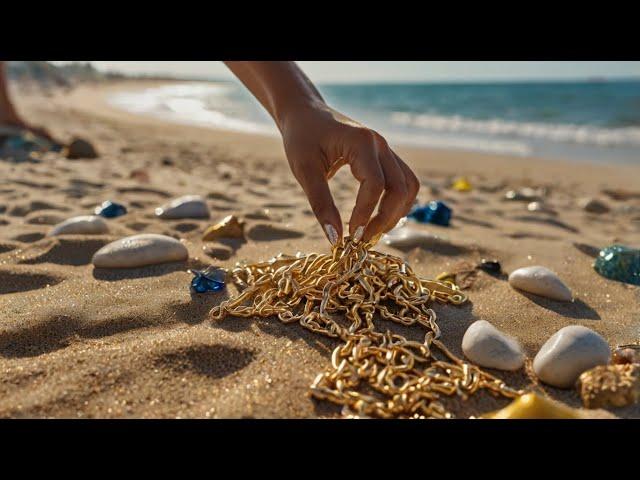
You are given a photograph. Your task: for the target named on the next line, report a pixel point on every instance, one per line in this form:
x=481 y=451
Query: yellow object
x=229 y=227
x=531 y=406
x=461 y=184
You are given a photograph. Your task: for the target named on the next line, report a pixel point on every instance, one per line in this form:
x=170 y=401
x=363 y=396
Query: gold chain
x=373 y=373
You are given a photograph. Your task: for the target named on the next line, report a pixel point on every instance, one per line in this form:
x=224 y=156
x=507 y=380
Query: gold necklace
x=374 y=372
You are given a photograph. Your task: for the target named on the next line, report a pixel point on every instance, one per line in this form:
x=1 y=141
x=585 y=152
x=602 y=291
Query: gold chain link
x=373 y=373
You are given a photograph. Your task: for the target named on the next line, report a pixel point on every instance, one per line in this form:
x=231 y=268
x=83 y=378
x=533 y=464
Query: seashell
x=229 y=227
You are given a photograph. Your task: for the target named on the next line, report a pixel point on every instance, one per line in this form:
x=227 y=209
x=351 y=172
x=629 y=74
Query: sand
x=79 y=342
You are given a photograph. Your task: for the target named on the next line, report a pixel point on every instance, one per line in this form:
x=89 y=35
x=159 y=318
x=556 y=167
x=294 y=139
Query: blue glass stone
x=110 y=209
x=620 y=263
x=434 y=212
x=203 y=282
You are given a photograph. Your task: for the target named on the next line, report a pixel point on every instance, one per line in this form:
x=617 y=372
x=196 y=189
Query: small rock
x=260 y=214
x=525 y=195
x=140 y=175
x=167 y=161
x=569 y=352
x=540 y=208
x=540 y=281
x=188 y=206
x=408 y=238
x=80 y=148
x=488 y=347
x=219 y=253
x=593 y=205
x=82 y=225
x=139 y=251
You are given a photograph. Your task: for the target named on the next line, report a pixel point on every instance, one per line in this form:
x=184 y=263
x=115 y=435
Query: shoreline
x=137 y=85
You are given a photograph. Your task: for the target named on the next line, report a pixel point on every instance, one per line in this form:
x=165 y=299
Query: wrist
x=291 y=109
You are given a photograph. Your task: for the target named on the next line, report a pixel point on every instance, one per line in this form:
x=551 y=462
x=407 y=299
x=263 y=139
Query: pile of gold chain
x=374 y=373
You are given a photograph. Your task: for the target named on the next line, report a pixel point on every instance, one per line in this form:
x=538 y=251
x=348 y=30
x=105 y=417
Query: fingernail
x=357 y=236
x=332 y=233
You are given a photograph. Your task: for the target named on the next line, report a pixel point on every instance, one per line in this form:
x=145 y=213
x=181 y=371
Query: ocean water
x=595 y=121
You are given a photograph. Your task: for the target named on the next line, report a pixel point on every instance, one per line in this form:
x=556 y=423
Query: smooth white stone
x=540 y=281
x=189 y=206
x=488 y=347
x=139 y=251
x=406 y=237
x=82 y=225
x=569 y=352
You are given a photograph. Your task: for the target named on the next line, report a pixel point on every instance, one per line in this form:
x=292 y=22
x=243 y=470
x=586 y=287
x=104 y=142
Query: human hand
x=318 y=141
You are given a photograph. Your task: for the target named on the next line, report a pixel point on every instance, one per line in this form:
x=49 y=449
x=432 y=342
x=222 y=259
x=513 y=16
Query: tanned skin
x=8 y=114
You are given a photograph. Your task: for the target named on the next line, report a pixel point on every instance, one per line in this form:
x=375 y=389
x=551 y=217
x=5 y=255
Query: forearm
x=7 y=112
x=281 y=87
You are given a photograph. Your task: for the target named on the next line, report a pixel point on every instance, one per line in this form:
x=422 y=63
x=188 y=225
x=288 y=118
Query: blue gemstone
x=437 y=213
x=620 y=263
x=110 y=209
x=203 y=282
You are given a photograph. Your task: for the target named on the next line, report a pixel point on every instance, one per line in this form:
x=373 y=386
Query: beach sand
x=79 y=342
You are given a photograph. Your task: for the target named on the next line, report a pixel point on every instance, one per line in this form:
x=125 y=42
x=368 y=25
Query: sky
x=387 y=71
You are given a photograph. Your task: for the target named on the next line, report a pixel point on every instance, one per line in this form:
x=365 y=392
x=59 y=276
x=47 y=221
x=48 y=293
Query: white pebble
x=139 y=251
x=488 y=347
x=569 y=352
x=82 y=225
x=189 y=206
x=407 y=238
x=540 y=281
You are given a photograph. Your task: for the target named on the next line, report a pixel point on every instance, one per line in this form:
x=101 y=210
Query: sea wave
x=580 y=134
x=227 y=106
x=189 y=103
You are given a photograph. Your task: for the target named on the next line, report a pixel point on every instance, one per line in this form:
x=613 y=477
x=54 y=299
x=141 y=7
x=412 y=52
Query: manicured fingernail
x=357 y=236
x=332 y=233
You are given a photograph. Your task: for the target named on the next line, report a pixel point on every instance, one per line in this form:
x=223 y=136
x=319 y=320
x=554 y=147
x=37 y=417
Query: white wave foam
x=187 y=103
x=581 y=134
x=502 y=147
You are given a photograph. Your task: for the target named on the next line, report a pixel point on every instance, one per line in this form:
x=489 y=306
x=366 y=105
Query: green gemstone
x=620 y=263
